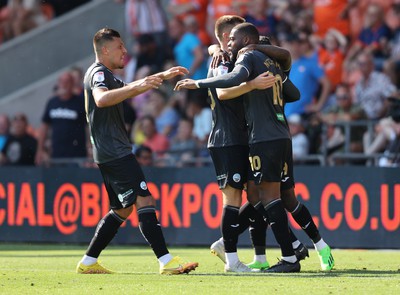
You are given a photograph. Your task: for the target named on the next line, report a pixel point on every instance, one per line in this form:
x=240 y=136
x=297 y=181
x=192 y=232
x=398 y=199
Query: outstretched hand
x=173 y=72
x=185 y=84
x=147 y=83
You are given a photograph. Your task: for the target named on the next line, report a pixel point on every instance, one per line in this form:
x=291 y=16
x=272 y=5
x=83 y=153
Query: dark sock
x=279 y=224
x=258 y=231
x=303 y=218
x=292 y=236
x=229 y=228
x=151 y=230
x=246 y=212
x=106 y=229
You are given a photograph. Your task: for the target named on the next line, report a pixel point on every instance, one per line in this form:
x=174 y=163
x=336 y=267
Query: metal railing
x=344 y=156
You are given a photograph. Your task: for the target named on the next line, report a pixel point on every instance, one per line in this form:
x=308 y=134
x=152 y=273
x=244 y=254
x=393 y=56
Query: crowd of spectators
x=20 y=16
x=345 y=62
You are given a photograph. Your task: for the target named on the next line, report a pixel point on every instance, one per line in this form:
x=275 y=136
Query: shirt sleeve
x=100 y=78
x=290 y=92
x=239 y=74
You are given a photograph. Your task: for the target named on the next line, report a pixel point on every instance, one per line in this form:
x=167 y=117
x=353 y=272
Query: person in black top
x=269 y=136
x=290 y=93
x=64 y=116
x=20 y=147
x=298 y=210
x=112 y=152
x=228 y=146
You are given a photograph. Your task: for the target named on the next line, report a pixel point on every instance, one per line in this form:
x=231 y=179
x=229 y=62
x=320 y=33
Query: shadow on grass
x=304 y=274
x=307 y=274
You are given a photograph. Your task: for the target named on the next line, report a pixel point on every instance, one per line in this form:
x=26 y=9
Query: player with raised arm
x=299 y=211
x=228 y=146
x=269 y=134
x=123 y=177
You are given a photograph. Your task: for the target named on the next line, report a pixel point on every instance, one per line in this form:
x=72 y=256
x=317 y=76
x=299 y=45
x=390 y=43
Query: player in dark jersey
x=269 y=137
x=123 y=177
x=228 y=146
x=299 y=211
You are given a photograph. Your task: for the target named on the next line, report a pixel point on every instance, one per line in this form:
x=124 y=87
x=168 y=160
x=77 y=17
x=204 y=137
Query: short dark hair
x=227 y=22
x=102 y=36
x=249 y=30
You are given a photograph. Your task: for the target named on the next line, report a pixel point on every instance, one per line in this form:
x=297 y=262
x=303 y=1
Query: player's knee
x=124 y=212
x=253 y=198
x=145 y=201
x=289 y=200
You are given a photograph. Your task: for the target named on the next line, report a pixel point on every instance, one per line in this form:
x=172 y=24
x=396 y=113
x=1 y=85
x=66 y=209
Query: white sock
x=231 y=258
x=163 y=260
x=296 y=244
x=291 y=259
x=260 y=258
x=320 y=245
x=88 y=260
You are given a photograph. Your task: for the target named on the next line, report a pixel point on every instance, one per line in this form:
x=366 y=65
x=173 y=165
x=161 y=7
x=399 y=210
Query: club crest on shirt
x=236 y=177
x=143 y=185
x=98 y=77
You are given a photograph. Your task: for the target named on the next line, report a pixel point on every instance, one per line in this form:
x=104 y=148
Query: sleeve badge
x=98 y=77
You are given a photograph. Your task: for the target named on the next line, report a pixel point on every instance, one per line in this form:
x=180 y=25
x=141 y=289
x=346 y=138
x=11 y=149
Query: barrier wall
x=354 y=207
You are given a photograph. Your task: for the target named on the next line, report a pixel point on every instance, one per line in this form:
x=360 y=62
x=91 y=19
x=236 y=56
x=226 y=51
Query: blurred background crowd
x=345 y=62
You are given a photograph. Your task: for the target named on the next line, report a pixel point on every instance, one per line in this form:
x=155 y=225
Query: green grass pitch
x=50 y=269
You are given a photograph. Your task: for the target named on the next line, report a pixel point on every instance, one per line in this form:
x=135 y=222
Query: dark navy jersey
x=229 y=123
x=67 y=120
x=263 y=108
x=108 y=134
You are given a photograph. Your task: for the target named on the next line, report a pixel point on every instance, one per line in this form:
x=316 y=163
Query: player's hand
x=173 y=72
x=219 y=56
x=147 y=83
x=249 y=47
x=263 y=81
x=185 y=84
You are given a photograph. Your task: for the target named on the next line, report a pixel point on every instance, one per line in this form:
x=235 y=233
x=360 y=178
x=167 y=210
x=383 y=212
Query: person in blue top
x=307 y=76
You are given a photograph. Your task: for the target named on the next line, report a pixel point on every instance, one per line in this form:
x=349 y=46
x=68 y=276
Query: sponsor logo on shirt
x=121 y=197
x=280 y=117
x=61 y=113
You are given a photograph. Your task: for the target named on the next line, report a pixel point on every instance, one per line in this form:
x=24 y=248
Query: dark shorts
x=287 y=179
x=124 y=181
x=231 y=165
x=272 y=161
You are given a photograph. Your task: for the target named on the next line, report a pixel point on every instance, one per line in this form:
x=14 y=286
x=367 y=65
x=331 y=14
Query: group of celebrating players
x=250 y=145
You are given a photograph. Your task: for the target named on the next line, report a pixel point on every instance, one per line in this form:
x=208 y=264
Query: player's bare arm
x=262 y=81
x=105 y=98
